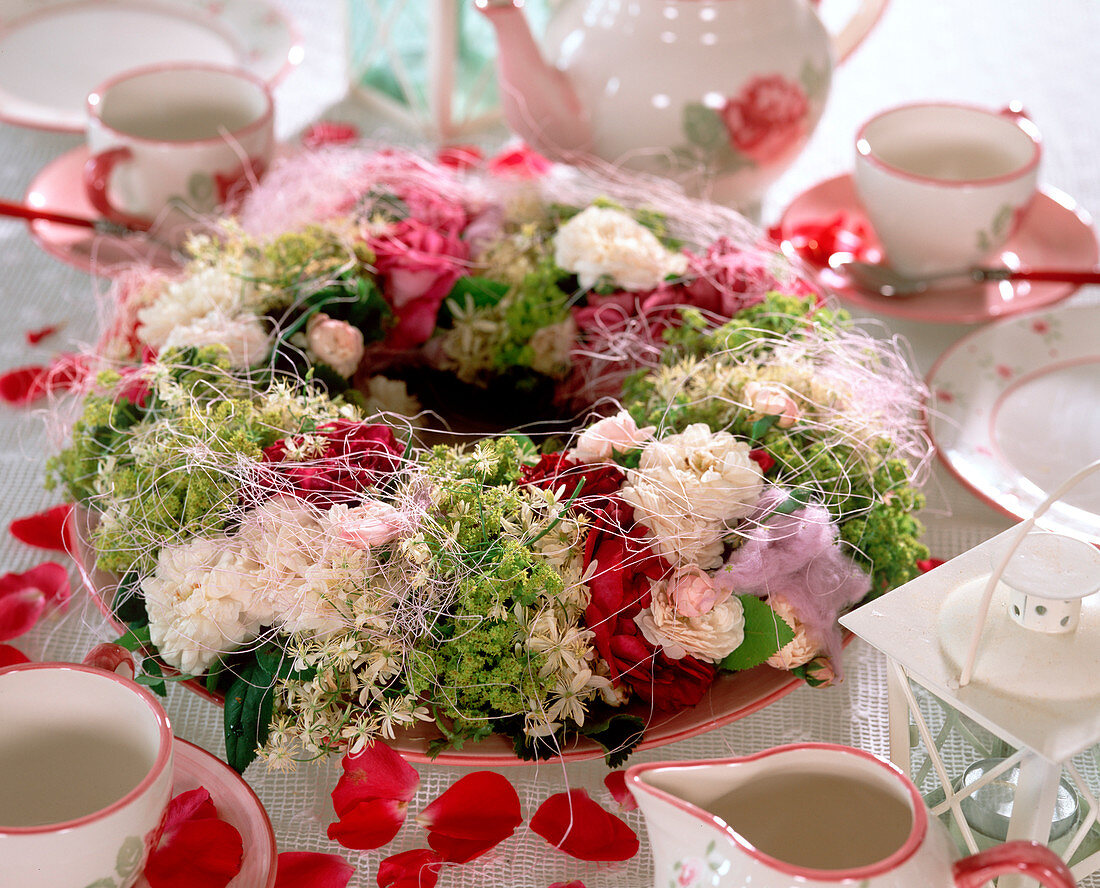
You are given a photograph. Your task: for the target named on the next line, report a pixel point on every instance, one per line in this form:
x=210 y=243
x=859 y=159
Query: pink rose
x=418 y=266
x=336 y=343
x=771 y=400
x=615 y=434
x=374 y=523
x=693 y=593
x=767 y=118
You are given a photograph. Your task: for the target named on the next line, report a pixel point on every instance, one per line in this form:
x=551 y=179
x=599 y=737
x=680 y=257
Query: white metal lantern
x=428 y=64
x=993 y=663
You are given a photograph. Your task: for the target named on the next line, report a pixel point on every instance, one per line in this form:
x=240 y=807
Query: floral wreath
x=732 y=462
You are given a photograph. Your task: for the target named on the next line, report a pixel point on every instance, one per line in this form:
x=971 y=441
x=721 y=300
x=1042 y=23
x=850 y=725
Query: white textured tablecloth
x=984 y=51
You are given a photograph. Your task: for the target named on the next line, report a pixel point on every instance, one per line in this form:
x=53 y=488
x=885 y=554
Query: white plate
x=1015 y=410
x=54 y=52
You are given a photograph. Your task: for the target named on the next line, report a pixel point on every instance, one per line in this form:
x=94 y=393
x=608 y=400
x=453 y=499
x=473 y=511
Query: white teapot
x=811 y=815
x=720 y=95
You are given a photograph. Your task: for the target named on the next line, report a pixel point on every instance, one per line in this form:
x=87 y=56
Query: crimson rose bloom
x=357 y=455
x=625 y=569
x=767 y=118
x=418 y=266
x=598 y=482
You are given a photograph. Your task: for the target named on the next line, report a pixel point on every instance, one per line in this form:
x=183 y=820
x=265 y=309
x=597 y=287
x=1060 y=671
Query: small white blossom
x=243 y=335
x=602 y=242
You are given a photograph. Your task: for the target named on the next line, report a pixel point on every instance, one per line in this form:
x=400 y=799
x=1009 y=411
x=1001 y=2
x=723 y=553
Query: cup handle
x=97 y=178
x=111 y=658
x=1030 y=859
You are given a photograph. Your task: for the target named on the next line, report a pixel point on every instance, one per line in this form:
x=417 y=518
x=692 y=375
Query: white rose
x=800 y=649
x=688 y=489
x=336 y=343
x=711 y=637
x=209 y=289
x=386 y=395
x=603 y=438
x=244 y=336
x=201 y=601
x=552 y=346
x=604 y=242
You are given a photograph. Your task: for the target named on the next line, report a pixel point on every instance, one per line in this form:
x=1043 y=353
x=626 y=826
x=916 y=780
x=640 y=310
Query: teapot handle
x=852 y=34
x=1029 y=859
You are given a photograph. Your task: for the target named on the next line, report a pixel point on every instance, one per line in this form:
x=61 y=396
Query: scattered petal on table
x=576 y=883
x=25 y=597
x=615 y=781
x=377 y=772
x=459 y=157
x=478 y=812
x=26 y=384
x=329 y=132
x=574 y=823
x=197 y=850
x=369 y=824
x=308 y=869
x=36 y=336
x=48 y=529
x=926 y=564
x=9 y=656
x=418 y=868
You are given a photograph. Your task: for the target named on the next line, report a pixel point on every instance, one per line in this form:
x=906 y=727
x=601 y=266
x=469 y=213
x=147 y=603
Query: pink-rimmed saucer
x=1012 y=413
x=1054 y=233
x=59 y=186
x=237 y=805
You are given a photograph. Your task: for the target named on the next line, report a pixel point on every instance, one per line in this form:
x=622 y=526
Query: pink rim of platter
x=732 y=696
x=1054 y=233
x=54 y=52
x=59 y=186
x=1012 y=412
x=236 y=804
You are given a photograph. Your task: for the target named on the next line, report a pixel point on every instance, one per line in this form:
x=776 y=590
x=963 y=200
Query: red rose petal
x=329 y=132
x=459 y=157
x=26 y=384
x=926 y=564
x=377 y=772
x=572 y=822
x=763 y=459
x=519 y=162
x=197 y=850
x=36 y=336
x=576 y=883
x=308 y=869
x=19 y=611
x=10 y=656
x=199 y=854
x=369 y=824
x=615 y=781
x=48 y=529
x=418 y=868
x=476 y=813
x=25 y=597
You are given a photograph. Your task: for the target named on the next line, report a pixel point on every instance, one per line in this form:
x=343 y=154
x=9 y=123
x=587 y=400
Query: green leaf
x=704 y=127
x=479 y=292
x=765 y=633
x=135 y=638
x=248 y=706
x=153 y=672
x=761 y=426
x=619 y=736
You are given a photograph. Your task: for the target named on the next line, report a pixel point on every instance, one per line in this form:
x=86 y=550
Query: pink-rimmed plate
x=54 y=52
x=733 y=696
x=236 y=804
x=1054 y=233
x=1013 y=412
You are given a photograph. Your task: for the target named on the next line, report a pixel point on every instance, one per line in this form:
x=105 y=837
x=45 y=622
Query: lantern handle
x=995 y=577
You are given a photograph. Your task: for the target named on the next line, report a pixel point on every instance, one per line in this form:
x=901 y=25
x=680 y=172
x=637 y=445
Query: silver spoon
x=887 y=282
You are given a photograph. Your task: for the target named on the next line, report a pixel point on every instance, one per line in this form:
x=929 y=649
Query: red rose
x=519 y=162
x=625 y=569
x=418 y=266
x=598 y=482
x=767 y=119
x=356 y=456
x=727 y=279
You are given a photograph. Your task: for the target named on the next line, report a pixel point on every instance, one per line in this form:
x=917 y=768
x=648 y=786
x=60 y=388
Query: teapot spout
x=539 y=103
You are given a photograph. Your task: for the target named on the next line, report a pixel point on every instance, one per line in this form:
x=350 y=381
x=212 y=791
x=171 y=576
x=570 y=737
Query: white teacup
x=85 y=775
x=184 y=136
x=945 y=185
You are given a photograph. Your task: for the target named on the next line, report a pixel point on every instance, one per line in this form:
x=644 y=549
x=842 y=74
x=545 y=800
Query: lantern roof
x=1035 y=689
